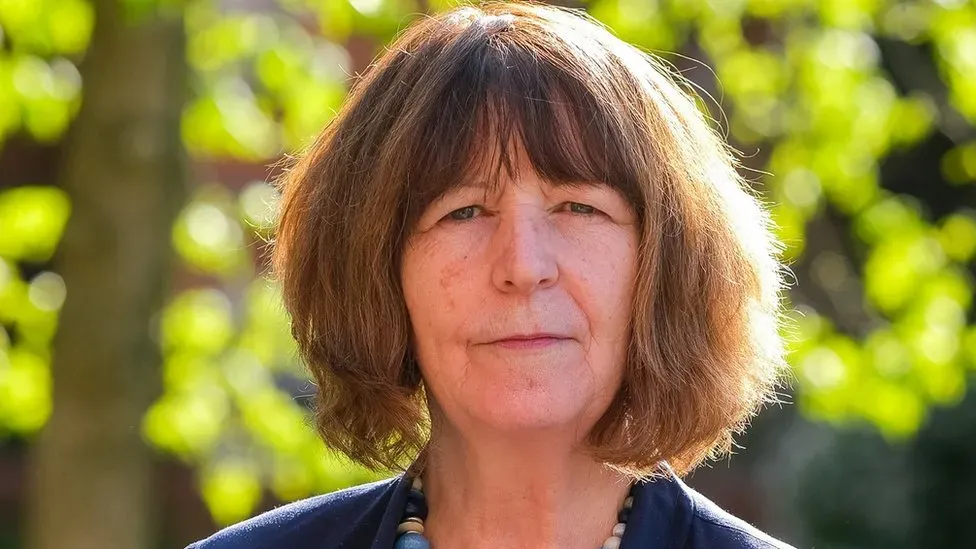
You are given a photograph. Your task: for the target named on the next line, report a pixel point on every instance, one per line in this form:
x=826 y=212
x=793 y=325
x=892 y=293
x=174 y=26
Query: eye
x=463 y=214
x=583 y=209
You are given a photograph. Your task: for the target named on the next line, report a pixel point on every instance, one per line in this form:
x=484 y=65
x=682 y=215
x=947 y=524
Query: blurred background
x=149 y=389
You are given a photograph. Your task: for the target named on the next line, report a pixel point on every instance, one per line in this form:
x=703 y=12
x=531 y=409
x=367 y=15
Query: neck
x=535 y=491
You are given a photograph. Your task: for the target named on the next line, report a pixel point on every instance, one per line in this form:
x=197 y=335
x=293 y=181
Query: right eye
x=463 y=214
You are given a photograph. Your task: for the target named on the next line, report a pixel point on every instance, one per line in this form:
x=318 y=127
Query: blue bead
x=411 y=540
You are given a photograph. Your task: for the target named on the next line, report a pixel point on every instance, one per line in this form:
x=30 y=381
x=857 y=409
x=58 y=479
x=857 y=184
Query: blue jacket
x=667 y=514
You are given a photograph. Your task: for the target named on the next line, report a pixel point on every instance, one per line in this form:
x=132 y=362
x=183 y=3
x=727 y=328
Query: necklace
x=410 y=532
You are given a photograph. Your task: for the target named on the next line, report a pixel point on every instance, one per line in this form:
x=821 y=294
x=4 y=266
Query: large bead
x=618 y=529
x=613 y=542
x=411 y=540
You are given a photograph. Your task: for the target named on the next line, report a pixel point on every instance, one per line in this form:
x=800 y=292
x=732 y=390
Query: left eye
x=579 y=208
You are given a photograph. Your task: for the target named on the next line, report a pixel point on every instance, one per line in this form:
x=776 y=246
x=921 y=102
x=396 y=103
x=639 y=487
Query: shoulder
x=328 y=520
x=669 y=514
x=712 y=526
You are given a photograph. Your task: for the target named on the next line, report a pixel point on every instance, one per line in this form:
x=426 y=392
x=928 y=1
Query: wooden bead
x=411 y=525
x=613 y=542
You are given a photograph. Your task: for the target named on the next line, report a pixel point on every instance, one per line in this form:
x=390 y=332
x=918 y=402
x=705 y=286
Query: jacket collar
x=661 y=515
x=660 y=518
x=386 y=534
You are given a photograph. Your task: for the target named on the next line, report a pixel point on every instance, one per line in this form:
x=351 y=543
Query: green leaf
x=957 y=235
x=892 y=216
x=959 y=164
x=275 y=420
x=25 y=390
x=894 y=408
x=13 y=293
x=198 y=321
x=231 y=489
x=188 y=423
x=31 y=222
x=912 y=119
x=640 y=23
x=896 y=267
x=823 y=368
x=70 y=24
x=208 y=235
x=228 y=121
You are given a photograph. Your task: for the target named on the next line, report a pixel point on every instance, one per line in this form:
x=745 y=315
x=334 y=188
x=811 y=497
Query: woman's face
x=520 y=303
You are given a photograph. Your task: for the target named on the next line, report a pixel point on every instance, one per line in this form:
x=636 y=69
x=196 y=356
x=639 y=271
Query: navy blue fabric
x=667 y=514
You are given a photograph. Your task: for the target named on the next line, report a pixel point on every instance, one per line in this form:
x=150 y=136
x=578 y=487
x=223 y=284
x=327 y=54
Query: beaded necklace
x=410 y=532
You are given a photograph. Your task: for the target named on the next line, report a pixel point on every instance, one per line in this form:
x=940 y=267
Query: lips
x=529 y=337
x=529 y=341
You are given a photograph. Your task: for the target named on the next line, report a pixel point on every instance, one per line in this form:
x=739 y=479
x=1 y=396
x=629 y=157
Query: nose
x=526 y=259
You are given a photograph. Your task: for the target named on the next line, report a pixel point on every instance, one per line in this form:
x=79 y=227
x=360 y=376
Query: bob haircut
x=458 y=89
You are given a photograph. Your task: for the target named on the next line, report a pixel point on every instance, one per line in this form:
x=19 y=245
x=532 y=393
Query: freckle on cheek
x=449 y=274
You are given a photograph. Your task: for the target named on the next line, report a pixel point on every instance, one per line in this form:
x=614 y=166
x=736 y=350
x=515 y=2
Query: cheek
x=434 y=275
x=450 y=276
x=606 y=269
x=606 y=274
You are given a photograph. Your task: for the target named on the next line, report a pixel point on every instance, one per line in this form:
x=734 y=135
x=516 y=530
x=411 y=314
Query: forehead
x=513 y=152
x=491 y=178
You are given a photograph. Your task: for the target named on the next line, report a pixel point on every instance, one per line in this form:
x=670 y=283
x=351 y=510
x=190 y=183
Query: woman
x=523 y=270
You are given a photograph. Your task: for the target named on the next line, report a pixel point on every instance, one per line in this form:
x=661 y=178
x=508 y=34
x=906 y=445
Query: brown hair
x=704 y=353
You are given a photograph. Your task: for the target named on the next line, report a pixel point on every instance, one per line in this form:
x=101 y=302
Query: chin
x=514 y=413
x=527 y=396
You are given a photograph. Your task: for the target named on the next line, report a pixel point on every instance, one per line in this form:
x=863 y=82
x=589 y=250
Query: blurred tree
x=865 y=492
x=862 y=111
x=123 y=173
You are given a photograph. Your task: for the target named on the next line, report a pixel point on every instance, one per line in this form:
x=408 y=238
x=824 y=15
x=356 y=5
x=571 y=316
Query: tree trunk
x=124 y=170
